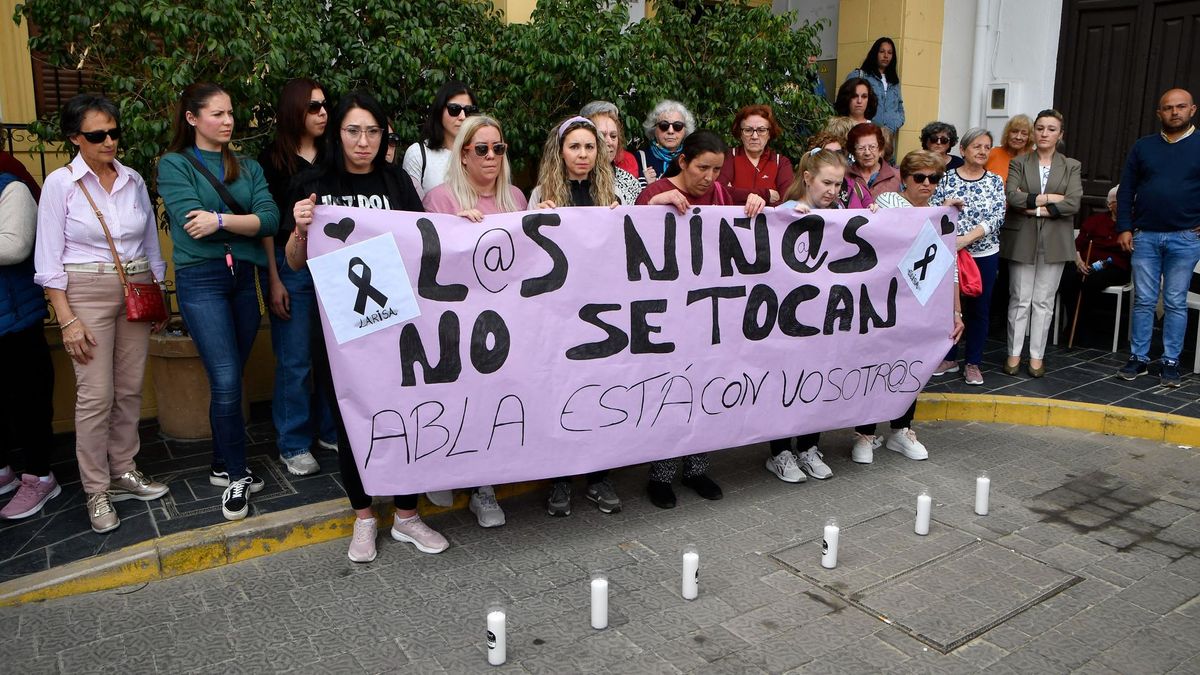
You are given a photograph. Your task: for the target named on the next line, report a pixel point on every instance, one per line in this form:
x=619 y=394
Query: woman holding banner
x=755 y=167
x=576 y=171
x=355 y=172
x=691 y=180
x=478 y=183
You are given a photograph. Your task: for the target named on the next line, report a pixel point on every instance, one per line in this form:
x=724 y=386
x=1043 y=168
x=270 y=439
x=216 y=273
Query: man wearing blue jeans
x=1158 y=218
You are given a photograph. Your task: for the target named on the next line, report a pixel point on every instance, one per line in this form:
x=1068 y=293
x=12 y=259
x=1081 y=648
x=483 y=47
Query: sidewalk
x=1088 y=562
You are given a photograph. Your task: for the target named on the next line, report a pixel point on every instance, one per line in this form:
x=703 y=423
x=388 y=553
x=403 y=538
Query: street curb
x=217 y=545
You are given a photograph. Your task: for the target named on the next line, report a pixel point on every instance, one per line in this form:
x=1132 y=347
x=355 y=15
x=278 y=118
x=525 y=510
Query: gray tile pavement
x=1087 y=563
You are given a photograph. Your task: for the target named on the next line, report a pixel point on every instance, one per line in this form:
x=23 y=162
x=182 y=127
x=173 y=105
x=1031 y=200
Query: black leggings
x=902 y=422
x=802 y=443
x=27 y=402
x=351 y=480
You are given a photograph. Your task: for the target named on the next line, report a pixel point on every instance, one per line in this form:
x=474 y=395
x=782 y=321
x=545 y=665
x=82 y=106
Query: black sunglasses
x=456 y=109
x=941 y=140
x=393 y=139
x=677 y=126
x=481 y=149
x=98 y=136
x=315 y=106
x=933 y=178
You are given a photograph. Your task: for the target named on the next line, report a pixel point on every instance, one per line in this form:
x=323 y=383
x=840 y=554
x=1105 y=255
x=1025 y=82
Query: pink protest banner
x=553 y=343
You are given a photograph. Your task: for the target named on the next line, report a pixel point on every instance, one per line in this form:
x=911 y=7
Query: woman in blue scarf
x=666 y=126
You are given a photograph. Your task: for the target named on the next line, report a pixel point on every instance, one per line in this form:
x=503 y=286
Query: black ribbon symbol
x=363 y=283
x=922 y=264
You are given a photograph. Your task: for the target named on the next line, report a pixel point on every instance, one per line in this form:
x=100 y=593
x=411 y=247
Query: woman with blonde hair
x=575 y=168
x=1014 y=142
x=607 y=119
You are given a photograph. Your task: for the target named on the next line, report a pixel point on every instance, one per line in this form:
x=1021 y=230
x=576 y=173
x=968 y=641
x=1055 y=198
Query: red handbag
x=143 y=302
x=970 y=282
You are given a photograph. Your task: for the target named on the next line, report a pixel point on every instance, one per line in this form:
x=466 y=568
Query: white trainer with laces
x=362 y=544
x=785 y=468
x=864 y=448
x=813 y=465
x=485 y=507
x=904 y=441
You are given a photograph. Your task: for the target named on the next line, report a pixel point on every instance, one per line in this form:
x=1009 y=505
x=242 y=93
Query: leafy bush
x=713 y=57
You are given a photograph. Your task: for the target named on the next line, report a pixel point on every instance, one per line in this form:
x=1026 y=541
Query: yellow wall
x=916 y=27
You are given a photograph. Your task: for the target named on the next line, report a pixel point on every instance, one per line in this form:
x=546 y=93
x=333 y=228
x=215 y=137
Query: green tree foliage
x=714 y=57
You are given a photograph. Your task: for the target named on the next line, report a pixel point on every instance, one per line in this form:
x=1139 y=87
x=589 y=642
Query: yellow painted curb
x=209 y=547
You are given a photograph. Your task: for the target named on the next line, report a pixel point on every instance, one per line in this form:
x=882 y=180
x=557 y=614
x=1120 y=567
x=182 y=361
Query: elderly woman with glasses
x=938 y=138
x=754 y=169
x=607 y=119
x=866 y=143
x=666 y=126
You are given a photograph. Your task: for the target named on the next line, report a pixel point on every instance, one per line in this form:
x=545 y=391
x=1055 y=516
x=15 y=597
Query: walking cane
x=1078 y=300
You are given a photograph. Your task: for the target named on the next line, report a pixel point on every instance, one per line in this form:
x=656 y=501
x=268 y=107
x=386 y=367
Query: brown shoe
x=101 y=513
x=1037 y=372
x=135 y=485
x=1012 y=370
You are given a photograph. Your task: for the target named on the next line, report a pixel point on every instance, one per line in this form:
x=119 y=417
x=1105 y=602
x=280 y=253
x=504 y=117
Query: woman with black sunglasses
x=939 y=138
x=355 y=172
x=108 y=352
x=666 y=126
x=300 y=416
x=478 y=183
x=427 y=160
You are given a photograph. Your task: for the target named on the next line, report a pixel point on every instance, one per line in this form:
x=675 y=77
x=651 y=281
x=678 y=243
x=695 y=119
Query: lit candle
x=924 y=505
x=829 y=545
x=983 y=487
x=497 y=644
x=599 y=601
x=691 y=572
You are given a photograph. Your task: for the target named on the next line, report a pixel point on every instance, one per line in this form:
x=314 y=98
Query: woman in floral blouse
x=982 y=194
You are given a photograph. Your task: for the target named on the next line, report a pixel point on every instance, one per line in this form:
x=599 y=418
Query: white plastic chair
x=1193 y=302
x=1119 y=292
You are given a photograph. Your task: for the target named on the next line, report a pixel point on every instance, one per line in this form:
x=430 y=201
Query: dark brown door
x=1115 y=57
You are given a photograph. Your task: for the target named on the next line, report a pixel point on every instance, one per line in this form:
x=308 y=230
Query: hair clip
x=814 y=151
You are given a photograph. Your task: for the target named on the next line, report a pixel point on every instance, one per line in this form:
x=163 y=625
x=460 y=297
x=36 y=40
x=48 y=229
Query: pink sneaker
x=362 y=544
x=416 y=532
x=9 y=481
x=31 y=497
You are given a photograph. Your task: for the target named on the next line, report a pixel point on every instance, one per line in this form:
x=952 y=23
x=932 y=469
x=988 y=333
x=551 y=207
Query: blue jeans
x=1163 y=259
x=221 y=312
x=977 y=312
x=299 y=412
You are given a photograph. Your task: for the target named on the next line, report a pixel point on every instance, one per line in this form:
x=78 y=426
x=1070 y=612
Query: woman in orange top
x=1014 y=142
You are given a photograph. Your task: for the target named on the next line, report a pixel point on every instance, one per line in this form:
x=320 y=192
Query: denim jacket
x=890 y=113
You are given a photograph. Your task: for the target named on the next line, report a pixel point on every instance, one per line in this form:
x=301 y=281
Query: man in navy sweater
x=1158 y=218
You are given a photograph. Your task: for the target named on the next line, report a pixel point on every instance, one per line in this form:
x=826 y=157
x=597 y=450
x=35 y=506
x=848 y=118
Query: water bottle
x=1101 y=264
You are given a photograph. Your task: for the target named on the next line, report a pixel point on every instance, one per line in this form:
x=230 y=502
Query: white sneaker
x=811 y=463
x=486 y=508
x=416 y=532
x=864 y=448
x=443 y=498
x=904 y=441
x=362 y=544
x=303 y=464
x=785 y=468
x=327 y=445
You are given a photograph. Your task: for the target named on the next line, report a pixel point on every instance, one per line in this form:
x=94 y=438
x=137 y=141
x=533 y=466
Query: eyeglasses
x=393 y=140
x=755 y=131
x=456 y=109
x=939 y=140
x=933 y=178
x=98 y=136
x=481 y=149
x=373 y=133
x=866 y=149
x=317 y=106
x=677 y=126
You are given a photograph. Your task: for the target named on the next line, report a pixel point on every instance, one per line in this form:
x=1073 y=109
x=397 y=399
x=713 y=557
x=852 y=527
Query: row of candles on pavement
x=497 y=645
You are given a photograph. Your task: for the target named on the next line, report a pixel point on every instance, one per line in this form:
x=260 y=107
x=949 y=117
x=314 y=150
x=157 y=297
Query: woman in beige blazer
x=1037 y=239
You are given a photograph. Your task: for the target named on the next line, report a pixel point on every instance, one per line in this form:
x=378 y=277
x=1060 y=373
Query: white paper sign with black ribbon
x=364 y=288
x=925 y=263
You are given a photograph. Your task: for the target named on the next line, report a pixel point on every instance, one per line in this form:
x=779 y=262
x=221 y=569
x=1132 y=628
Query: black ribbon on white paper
x=362 y=281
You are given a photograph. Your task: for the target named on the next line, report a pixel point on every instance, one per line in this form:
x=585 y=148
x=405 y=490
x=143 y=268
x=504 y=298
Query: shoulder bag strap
x=421 y=145
x=108 y=236
x=222 y=191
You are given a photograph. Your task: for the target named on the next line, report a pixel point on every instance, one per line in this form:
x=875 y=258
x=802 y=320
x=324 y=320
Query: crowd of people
x=239 y=229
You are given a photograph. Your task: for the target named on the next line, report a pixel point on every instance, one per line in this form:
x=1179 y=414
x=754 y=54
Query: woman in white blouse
x=75 y=266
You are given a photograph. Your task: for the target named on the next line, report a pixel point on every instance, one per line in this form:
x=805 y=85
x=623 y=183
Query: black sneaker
x=604 y=496
x=559 y=503
x=1132 y=368
x=220 y=478
x=235 y=502
x=661 y=494
x=704 y=486
x=1170 y=374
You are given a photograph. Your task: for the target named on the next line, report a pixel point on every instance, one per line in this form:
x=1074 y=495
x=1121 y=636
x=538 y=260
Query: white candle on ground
x=599 y=602
x=983 y=487
x=497 y=645
x=924 y=505
x=691 y=573
x=829 y=545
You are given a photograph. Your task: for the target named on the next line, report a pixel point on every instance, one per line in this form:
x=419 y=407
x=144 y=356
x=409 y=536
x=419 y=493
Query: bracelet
x=298 y=236
x=958 y=314
x=63 y=326
x=220 y=220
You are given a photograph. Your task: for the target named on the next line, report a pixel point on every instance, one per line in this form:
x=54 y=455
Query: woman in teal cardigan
x=217 y=253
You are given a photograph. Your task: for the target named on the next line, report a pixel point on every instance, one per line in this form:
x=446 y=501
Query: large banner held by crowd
x=554 y=343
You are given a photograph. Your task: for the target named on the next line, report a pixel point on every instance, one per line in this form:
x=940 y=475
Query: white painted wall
x=1022 y=50
x=812 y=11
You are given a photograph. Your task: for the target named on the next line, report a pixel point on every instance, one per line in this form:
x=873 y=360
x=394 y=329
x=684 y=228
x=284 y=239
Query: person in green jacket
x=219 y=208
